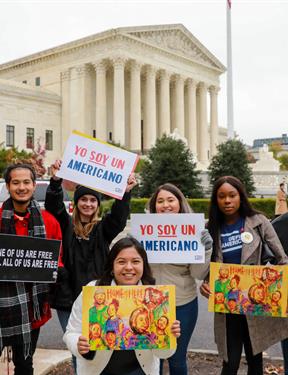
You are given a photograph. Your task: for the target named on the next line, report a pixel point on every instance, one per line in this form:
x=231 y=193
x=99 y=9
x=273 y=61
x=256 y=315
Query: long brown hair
x=83 y=230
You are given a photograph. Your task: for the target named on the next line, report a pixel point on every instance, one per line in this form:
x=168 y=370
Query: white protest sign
x=170 y=238
x=97 y=165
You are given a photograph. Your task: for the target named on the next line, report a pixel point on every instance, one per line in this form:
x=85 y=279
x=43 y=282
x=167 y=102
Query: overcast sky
x=259 y=37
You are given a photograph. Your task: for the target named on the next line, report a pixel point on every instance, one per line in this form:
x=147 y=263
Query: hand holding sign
x=206 y=239
x=131 y=182
x=83 y=345
x=54 y=169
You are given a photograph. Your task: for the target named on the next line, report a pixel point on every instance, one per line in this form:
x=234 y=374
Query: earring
x=112 y=273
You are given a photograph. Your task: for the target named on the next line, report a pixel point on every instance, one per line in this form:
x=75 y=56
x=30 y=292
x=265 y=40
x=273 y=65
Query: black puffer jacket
x=83 y=259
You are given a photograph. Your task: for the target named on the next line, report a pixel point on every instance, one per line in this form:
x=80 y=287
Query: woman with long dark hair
x=169 y=199
x=235 y=228
x=86 y=238
x=126 y=264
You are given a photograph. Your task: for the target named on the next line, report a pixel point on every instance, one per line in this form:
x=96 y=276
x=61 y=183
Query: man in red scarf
x=24 y=306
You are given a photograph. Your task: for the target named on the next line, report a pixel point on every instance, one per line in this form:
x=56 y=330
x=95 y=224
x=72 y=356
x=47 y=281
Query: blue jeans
x=187 y=314
x=63 y=316
x=284 y=345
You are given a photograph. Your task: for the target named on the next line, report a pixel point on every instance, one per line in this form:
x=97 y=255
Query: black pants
x=24 y=366
x=237 y=336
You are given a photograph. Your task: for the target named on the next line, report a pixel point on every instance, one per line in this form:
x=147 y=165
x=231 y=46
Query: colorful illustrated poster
x=249 y=290
x=129 y=317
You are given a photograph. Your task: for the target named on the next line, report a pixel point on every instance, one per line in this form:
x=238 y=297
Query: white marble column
x=78 y=110
x=191 y=131
x=164 y=103
x=203 y=126
x=101 y=110
x=119 y=101
x=135 y=106
x=213 y=120
x=150 y=131
x=65 y=129
x=179 y=105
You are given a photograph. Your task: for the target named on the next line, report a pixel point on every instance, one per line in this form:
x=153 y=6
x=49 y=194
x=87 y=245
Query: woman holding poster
x=234 y=226
x=127 y=264
x=86 y=239
x=169 y=199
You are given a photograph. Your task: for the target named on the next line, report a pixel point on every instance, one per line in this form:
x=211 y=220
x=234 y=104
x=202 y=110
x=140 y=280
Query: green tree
x=283 y=159
x=232 y=160
x=11 y=155
x=171 y=161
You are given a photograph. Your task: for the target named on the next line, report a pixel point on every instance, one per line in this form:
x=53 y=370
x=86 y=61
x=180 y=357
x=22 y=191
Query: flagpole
x=230 y=110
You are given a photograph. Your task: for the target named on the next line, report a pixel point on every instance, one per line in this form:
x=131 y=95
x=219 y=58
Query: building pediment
x=176 y=39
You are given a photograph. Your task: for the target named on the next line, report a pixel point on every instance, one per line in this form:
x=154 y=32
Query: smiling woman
x=86 y=239
x=127 y=264
x=168 y=199
x=128 y=267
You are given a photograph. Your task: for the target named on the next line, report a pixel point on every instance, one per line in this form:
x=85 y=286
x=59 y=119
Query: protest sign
x=28 y=259
x=170 y=238
x=129 y=317
x=248 y=290
x=97 y=165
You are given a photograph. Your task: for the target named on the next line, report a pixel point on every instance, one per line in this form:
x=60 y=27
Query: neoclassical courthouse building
x=128 y=85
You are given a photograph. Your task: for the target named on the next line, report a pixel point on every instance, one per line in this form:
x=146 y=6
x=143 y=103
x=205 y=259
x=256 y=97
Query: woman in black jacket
x=85 y=240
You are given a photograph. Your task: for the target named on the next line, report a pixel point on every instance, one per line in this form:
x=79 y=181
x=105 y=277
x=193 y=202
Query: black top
x=122 y=362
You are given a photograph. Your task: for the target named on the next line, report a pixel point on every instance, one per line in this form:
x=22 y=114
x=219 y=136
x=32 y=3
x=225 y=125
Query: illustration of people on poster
x=129 y=317
x=249 y=290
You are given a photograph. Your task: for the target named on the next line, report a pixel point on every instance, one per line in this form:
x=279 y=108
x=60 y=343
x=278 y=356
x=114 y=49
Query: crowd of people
x=233 y=235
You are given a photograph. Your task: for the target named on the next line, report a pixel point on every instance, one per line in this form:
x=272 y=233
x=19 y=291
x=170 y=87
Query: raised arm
x=54 y=197
x=115 y=221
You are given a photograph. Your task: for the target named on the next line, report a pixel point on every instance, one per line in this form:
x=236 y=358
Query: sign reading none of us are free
x=97 y=165
x=28 y=259
x=170 y=238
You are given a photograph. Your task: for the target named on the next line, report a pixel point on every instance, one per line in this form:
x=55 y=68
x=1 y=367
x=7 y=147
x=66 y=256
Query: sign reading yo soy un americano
x=96 y=164
x=170 y=238
x=28 y=259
